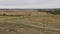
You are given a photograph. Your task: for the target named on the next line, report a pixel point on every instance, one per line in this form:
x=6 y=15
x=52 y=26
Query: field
x=38 y=24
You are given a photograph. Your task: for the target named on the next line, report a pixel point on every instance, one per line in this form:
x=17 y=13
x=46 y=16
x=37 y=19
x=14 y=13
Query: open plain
x=24 y=23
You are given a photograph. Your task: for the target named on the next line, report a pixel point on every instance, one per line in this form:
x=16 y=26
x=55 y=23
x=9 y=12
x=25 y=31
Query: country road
x=45 y=29
x=40 y=25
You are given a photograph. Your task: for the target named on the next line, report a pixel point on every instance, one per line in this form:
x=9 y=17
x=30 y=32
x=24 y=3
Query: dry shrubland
x=17 y=24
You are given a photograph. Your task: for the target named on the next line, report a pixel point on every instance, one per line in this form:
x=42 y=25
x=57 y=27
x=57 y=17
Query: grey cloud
x=30 y=3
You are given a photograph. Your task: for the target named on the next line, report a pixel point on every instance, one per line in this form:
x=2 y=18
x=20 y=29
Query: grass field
x=24 y=24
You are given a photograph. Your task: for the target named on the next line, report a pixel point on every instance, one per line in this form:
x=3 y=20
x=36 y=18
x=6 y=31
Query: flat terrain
x=43 y=24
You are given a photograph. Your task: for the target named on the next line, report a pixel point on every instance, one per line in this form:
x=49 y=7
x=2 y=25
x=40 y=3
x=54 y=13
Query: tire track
x=42 y=27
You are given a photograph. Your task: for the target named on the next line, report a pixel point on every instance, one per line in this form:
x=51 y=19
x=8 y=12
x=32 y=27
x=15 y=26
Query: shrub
x=4 y=14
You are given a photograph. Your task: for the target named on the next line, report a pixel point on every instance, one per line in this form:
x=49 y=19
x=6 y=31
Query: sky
x=29 y=3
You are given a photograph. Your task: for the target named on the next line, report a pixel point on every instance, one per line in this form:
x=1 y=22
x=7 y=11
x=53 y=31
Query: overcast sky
x=29 y=3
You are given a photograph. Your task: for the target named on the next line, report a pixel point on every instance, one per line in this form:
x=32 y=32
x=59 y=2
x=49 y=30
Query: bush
x=4 y=14
x=53 y=11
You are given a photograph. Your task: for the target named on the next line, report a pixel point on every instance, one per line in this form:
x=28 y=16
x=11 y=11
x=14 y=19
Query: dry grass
x=15 y=24
x=15 y=28
x=49 y=20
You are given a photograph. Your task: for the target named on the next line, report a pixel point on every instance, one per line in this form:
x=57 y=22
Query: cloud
x=29 y=3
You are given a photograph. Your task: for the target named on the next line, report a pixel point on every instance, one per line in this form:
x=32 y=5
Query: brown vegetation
x=20 y=24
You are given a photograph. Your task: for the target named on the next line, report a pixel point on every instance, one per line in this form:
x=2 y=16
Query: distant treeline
x=52 y=11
